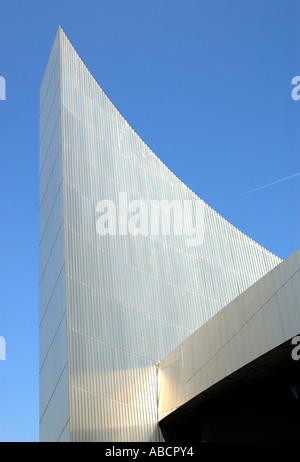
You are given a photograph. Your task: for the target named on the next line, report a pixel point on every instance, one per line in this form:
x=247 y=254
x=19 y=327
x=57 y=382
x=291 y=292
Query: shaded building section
x=244 y=387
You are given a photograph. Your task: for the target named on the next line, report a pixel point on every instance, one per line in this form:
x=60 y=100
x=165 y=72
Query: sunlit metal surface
x=258 y=321
x=111 y=307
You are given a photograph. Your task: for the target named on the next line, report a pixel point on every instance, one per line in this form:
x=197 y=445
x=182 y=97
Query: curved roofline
x=60 y=29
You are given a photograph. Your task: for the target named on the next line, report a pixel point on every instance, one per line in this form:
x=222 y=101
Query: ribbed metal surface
x=254 y=324
x=129 y=301
x=54 y=410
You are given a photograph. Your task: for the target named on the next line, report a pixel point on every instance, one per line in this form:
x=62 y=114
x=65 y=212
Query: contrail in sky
x=260 y=188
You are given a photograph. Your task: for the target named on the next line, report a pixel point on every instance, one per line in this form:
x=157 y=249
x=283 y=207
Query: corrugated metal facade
x=111 y=307
x=54 y=410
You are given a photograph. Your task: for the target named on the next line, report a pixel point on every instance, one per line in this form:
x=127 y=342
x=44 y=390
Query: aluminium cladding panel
x=112 y=373
x=262 y=318
x=130 y=300
x=54 y=412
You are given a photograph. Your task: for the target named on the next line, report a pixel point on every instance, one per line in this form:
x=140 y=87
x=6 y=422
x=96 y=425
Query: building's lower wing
x=238 y=376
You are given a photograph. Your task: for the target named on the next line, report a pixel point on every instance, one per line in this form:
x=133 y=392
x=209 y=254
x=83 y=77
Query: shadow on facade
x=263 y=410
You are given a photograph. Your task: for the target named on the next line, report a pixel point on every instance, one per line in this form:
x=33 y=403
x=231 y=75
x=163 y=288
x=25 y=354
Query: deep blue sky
x=205 y=83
